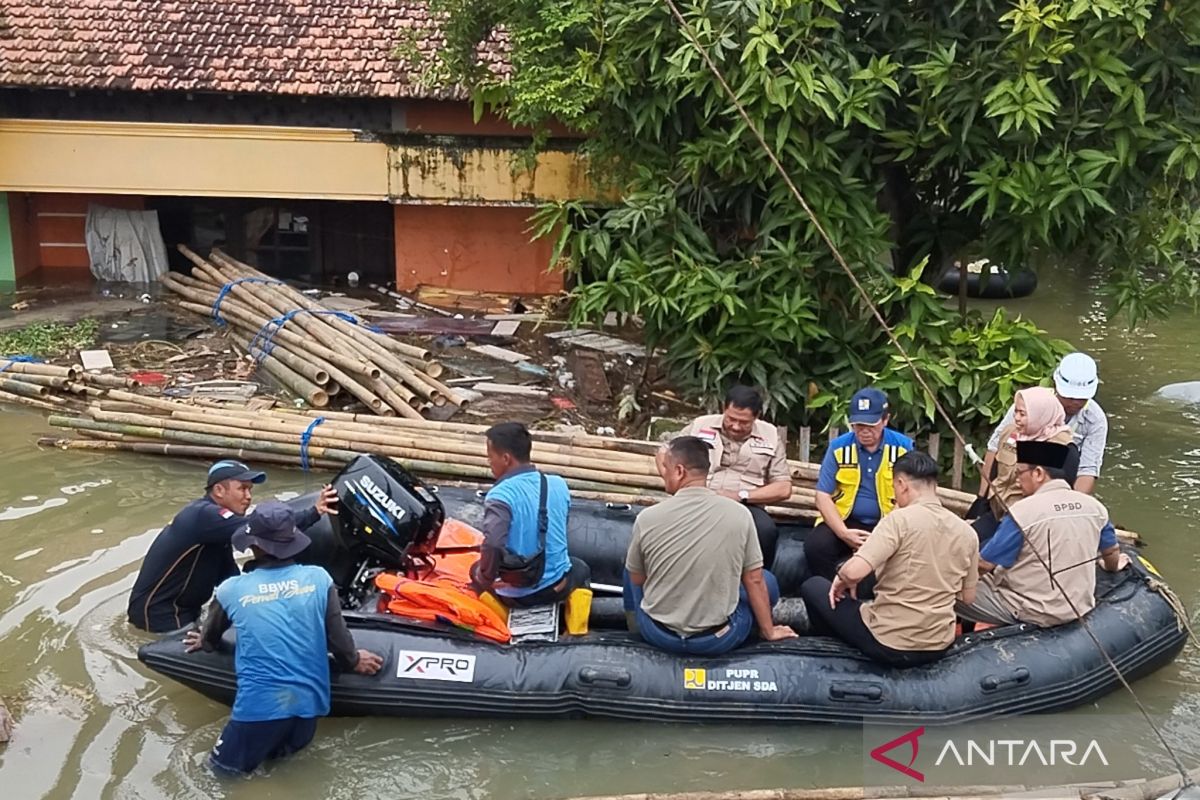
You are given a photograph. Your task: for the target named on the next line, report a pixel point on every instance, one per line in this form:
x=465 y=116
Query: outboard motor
x=386 y=518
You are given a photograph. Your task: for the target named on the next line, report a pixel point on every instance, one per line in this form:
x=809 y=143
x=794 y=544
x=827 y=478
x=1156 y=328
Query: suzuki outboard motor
x=385 y=516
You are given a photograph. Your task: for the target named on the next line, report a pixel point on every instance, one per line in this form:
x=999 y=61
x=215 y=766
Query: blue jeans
x=741 y=623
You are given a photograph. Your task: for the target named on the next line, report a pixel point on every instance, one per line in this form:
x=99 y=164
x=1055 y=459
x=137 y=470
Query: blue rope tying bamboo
x=22 y=359
x=221 y=295
x=305 y=438
x=264 y=340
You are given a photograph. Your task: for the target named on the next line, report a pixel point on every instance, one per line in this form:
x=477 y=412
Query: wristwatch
x=744 y=496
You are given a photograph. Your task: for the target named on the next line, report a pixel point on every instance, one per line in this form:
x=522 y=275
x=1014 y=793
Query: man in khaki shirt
x=748 y=461
x=924 y=557
x=1054 y=531
x=694 y=577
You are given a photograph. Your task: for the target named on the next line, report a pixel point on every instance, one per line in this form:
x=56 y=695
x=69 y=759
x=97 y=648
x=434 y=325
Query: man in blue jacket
x=508 y=565
x=192 y=555
x=854 y=488
x=288 y=619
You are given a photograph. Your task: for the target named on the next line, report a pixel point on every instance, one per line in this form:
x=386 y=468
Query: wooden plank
x=569 y=333
x=506 y=327
x=499 y=353
x=805 y=443
x=935 y=443
x=503 y=388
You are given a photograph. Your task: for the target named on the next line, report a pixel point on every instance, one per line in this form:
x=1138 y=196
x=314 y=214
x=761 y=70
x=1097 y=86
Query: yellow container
x=578 y=609
x=491 y=601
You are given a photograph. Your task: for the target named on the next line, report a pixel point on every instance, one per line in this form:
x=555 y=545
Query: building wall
x=57 y=227
x=485 y=249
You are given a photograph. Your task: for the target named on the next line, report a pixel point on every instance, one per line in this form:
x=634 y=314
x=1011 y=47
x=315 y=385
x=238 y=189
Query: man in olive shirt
x=924 y=559
x=694 y=582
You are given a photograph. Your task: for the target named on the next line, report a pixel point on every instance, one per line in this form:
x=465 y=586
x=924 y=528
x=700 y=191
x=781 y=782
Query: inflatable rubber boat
x=434 y=670
x=999 y=284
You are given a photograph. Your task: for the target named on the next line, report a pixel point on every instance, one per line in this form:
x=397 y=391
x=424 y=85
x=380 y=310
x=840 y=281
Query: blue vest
x=520 y=492
x=282 y=659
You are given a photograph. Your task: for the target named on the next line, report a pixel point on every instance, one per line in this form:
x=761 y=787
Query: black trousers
x=580 y=574
x=825 y=552
x=985 y=526
x=768 y=533
x=845 y=622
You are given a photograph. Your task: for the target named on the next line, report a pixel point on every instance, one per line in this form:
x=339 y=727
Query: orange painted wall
x=58 y=226
x=445 y=117
x=477 y=248
x=24 y=242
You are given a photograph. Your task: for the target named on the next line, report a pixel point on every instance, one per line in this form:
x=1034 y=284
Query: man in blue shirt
x=854 y=488
x=522 y=502
x=288 y=619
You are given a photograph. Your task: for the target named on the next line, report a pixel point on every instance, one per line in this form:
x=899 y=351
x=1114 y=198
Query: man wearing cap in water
x=1075 y=382
x=288 y=619
x=192 y=555
x=1054 y=531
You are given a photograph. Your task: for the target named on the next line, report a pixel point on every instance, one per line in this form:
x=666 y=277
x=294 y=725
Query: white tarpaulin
x=125 y=245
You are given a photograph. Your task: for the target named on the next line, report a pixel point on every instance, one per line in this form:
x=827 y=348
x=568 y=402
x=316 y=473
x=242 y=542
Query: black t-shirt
x=185 y=563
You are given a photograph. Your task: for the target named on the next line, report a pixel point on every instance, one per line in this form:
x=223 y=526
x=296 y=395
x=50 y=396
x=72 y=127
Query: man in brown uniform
x=748 y=462
x=924 y=558
x=1063 y=530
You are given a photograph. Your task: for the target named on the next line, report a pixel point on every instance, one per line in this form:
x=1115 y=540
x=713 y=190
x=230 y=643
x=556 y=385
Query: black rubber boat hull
x=1001 y=672
x=1000 y=285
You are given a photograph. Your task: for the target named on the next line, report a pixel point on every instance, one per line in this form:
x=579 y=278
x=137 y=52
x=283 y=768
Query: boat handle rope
x=690 y=34
x=305 y=438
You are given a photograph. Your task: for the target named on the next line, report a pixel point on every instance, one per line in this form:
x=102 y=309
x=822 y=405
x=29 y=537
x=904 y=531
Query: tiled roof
x=338 y=48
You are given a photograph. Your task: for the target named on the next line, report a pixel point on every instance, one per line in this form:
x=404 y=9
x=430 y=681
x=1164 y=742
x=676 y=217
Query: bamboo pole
x=13 y=386
x=32 y=402
x=49 y=381
x=25 y=368
x=186 y=451
x=294 y=382
x=108 y=381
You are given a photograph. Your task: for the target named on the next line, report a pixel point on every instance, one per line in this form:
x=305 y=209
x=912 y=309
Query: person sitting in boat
x=749 y=464
x=524 y=560
x=288 y=619
x=924 y=558
x=192 y=555
x=1053 y=528
x=1075 y=383
x=854 y=487
x=1037 y=417
x=694 y=579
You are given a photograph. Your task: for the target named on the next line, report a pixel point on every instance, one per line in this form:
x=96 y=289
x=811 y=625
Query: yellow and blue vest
x=849 y=474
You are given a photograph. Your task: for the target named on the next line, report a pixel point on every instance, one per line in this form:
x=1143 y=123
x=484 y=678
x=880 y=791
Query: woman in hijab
x=1039 y=417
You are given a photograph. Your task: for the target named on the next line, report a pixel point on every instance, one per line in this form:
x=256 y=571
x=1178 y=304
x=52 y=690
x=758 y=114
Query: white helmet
x=1076 y=377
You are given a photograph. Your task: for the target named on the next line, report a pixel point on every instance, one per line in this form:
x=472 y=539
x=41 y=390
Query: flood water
x=93 y=723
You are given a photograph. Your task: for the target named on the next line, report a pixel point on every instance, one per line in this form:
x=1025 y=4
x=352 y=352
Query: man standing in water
x=192 y=555
x=288 y=619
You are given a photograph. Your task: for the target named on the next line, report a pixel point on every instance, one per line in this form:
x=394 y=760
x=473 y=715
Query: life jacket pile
x=441 y=601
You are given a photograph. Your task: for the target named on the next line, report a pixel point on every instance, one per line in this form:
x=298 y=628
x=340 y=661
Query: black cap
x=233 y=471
x=1042 y=454
x=272 y=528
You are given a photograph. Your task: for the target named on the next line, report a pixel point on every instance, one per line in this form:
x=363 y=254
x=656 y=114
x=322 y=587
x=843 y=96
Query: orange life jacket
x=441 y=600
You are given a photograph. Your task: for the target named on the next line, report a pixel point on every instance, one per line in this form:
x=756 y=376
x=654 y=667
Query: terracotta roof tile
x=293 y=47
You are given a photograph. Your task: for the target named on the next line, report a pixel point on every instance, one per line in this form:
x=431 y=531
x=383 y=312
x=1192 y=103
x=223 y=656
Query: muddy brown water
x=93 y=723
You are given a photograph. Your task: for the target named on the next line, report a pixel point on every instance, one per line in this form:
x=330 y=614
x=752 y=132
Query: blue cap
x=235 y=471
x=868 y=407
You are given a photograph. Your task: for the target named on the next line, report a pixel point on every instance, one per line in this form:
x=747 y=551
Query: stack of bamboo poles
x=313 y=352
x=53 y=388
x=618 y=470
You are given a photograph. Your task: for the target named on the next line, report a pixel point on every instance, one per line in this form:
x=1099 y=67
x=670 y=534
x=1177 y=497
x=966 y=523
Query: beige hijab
x=1044 y=415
